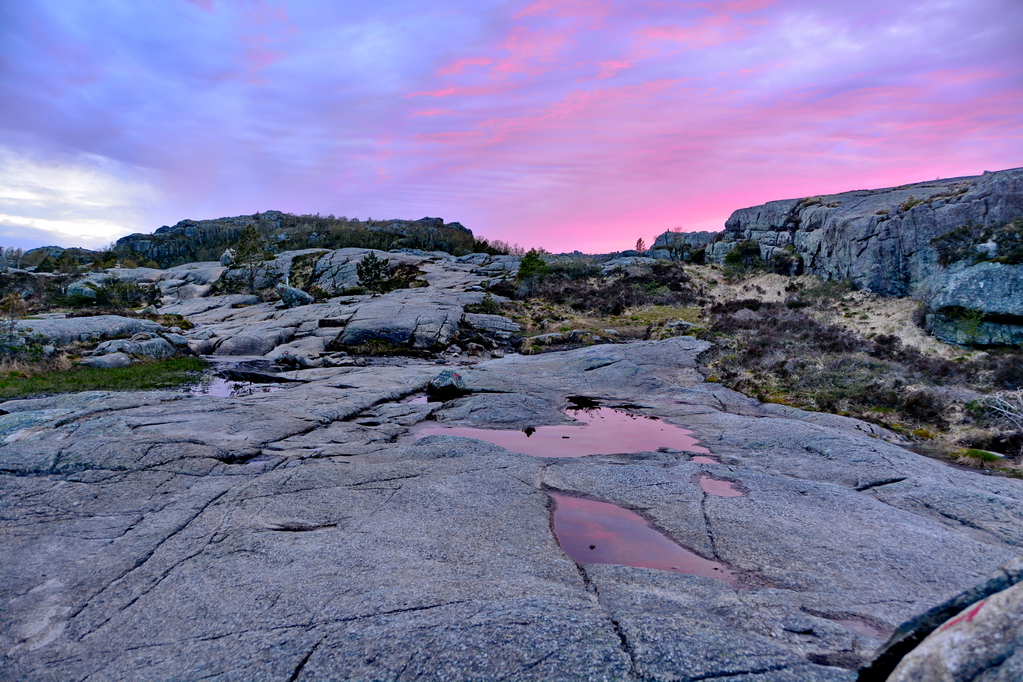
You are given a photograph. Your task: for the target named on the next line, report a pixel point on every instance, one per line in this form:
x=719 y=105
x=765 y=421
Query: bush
x=961 y=243
x=666 y=284
x=532 y=265
x=372 y=271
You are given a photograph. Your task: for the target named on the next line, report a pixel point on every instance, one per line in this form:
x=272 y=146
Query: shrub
x=745 y=255
x=372 y=271
x=532 y=265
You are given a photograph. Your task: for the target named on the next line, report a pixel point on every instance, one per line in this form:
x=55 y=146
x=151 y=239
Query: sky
x=562 y=124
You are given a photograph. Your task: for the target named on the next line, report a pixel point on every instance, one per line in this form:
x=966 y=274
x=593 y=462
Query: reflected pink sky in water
x=620 y=536
x=714 y=486
x=603 y=431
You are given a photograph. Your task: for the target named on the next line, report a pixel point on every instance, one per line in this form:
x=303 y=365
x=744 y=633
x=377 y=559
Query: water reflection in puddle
x=704 y=460
x=416 y=399
x=604 y=431
x=719 y=488
x=602 y=533
x=227 y=388
x=861 y=628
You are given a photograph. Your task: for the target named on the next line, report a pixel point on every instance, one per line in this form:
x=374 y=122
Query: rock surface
x=880 y=239
x=979 y=305
x=984 y=643
x=307 y=533
x=903 y=644
x=63 y=331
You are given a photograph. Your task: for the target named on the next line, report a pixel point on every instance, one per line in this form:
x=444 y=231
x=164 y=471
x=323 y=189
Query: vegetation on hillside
x=20 y=379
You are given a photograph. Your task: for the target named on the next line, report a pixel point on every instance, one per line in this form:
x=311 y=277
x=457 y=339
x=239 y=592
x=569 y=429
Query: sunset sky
x=564 y=124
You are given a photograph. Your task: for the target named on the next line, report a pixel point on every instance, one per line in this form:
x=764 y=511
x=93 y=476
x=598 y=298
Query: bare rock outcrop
x=880 y=239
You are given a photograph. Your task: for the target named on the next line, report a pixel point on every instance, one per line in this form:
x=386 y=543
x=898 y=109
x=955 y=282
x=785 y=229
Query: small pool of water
x=861 y=628
x=714 y=486
x=704 y=460
x=594 y=532
x=228 y=388
x=603 y=431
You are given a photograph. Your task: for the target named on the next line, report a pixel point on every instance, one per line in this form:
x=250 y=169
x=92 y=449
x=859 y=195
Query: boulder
x=255 y=341
x=984 y=642
x=293 y=360
x=447 y=384
x=84 y=288
x=491 y=323
x=945 y=639
x=61 y=332
x=409 y=317
x=109 y=361
x=138 y=275
x=977 y=305
x=293 y=297
x=157 y=348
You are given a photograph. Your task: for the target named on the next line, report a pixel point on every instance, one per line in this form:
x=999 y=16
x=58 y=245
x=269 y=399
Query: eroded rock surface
x=307 y=534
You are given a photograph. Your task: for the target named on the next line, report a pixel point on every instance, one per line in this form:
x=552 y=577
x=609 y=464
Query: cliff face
x=880 y=239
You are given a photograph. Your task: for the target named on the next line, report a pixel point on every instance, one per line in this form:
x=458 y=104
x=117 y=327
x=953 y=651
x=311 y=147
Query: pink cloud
x=460 y=65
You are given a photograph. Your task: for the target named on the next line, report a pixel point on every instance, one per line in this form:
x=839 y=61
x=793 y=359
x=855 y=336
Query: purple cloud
x=565 y=124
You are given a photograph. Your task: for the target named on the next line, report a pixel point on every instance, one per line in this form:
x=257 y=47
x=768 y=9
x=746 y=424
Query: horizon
x=557 y=124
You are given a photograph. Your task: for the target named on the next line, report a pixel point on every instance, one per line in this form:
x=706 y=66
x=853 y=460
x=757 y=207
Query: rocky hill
x=880 y=239
x=206 y=240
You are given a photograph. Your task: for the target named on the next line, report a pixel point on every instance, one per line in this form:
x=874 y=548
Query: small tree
x=641 y=245
x=532 y=265
x=372 y=272
x=251 y=252
x=14 y=257
x=12 y=309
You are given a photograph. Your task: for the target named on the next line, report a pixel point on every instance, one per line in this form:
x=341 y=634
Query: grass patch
x=160 y=374
x=381 y=348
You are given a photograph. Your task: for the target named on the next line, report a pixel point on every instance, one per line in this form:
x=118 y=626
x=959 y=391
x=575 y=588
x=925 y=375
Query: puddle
x=861 y=628
x=416 y=399
x=719 y=488
x=704 y=460
x=604 y=431
x=228 y=388
x=602 y=533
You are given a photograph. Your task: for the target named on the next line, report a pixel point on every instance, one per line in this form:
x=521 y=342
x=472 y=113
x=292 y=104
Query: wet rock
x=447 y=384
x=293 y=297
x=295 y=360
x=108 y=361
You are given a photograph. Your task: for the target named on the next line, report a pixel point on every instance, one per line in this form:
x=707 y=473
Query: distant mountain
x=204 y=240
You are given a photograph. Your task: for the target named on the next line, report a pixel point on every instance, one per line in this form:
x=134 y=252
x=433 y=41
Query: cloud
x=562 y=123
x=84 y=201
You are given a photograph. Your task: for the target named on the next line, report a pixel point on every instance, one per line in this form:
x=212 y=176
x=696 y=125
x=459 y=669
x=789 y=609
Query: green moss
x=982 y=455
x=160 y=374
